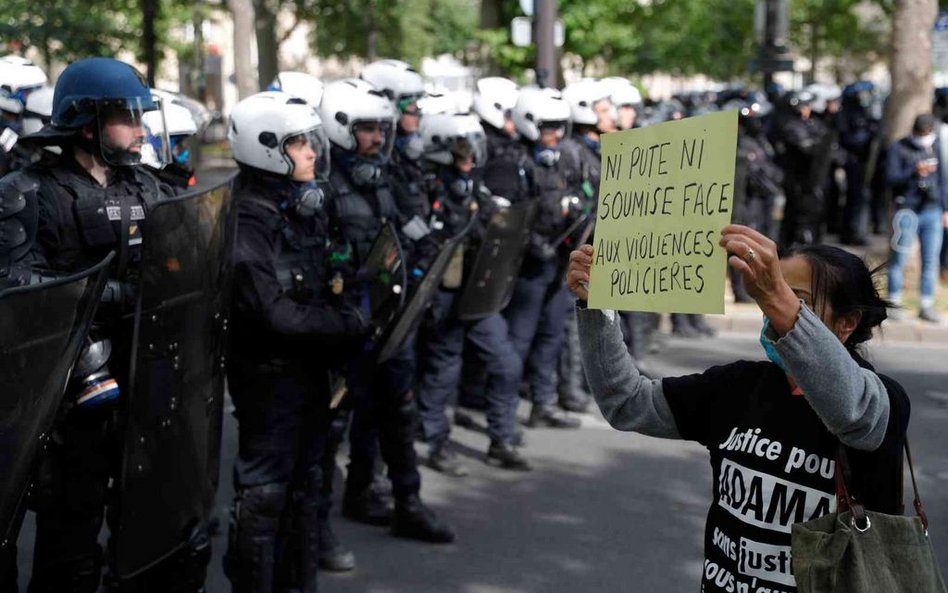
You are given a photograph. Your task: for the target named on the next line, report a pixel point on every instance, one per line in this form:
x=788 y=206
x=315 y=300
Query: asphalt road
x=602 y=511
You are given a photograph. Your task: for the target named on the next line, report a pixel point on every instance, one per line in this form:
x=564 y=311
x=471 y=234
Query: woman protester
x=773 y=429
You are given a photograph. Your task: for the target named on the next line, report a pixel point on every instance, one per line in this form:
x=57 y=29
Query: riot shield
x=42 y=327
x=384 y=279
x=491 y=281
x=384 y=273
x=172 y=438
x=417 y=302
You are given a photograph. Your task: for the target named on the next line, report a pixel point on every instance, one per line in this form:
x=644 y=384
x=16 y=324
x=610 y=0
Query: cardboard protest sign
x=665 y=194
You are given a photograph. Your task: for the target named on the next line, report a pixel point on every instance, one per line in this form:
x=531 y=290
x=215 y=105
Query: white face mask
x=926 y=141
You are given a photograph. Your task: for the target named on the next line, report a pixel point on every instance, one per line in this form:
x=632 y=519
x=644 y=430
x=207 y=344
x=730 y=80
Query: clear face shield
x=553 y=132
x=126 y=138
x=607 y=115
x=475 y=144
x=308 y=154
x=374 y=139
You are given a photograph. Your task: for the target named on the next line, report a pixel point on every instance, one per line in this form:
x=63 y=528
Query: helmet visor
x=374 y=138
x=308 y=155
x=124 y=137
x=472 y=145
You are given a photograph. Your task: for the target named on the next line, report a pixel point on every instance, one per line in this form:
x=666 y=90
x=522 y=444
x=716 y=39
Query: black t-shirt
x=773 y=462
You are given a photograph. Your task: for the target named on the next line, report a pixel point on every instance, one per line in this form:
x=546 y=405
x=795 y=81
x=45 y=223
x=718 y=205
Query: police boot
x=414 y=520
x=76 y=576
x=332 y=556
x=365 y=507
x=251 y=553
x=547 y=416
x=506 y=456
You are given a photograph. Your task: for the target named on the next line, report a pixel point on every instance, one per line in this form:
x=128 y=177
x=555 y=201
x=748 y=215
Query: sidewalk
x=746 y=318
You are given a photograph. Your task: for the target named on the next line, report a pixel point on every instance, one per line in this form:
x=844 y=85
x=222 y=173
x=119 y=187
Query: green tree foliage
x=409 y=29
x=821 y=28
x=713 y=37
x=65 y=30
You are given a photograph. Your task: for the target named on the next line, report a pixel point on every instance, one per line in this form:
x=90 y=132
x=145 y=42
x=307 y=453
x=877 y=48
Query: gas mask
x=306 y=198
x=461 y=187
x=365 y=172
x=410 y=145
x=546 y=156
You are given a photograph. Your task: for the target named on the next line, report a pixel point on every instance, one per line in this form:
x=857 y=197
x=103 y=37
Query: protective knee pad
x=73 y=575
x=255 y=523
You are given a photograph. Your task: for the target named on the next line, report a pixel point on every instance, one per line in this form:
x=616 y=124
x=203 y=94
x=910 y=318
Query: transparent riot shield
x=42 y=328
x=172 y=438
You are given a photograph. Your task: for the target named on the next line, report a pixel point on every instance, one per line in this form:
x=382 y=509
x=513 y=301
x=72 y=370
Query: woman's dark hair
x=843 y=281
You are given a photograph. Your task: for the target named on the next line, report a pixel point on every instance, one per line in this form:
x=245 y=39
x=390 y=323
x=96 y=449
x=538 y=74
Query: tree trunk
x=910 y=66
x=491 y=14
x=149 y=41
x=371 y=40
x=814 y=51
x=244 y=73
x=268 y=46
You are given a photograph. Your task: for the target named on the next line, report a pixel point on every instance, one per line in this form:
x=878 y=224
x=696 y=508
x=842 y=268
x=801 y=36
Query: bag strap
x=917 y=502
x=859 y=520
x=845 y=500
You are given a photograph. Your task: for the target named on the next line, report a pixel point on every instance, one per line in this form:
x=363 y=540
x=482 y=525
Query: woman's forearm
x=851 y=401
x=627 y=400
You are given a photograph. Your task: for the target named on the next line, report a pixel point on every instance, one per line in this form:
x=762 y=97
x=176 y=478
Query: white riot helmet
x=401 y=83
x=299 y=84
x=351 y=103
x=448 y=134
x=538 y=108
x=582 y=97
x=623 y=92
x=172 y=124
x=38 y=110
x=18 y=78
x=494 y=99
x=262 y=124
x=824 y=93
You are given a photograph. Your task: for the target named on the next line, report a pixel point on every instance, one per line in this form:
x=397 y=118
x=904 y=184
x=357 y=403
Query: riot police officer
x=859 y=134
x=537 y=312
x=805 y=143
x=628 y=101
x=92 y=200
x=404 y=86
x=287 y=327
x=593 y=114
x=455 y=143
x=332 y=555
x=757 y=179
x=183 y=120
x=18 y=79
x=360 y=123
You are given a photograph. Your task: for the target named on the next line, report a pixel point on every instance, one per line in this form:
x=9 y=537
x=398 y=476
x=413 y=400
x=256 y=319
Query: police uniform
x=444 y=336
x=288 y=329
x=537 y=311
x=805 y=168
x=79 y=223
x=384 y=410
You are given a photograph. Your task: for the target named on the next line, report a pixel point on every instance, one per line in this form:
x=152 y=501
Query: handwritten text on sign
x=666 y=192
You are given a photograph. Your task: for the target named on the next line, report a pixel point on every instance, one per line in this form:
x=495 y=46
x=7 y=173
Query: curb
x=746 y=319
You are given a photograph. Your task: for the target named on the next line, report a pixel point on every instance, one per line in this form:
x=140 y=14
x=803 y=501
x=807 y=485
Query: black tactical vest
x=357 y=215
